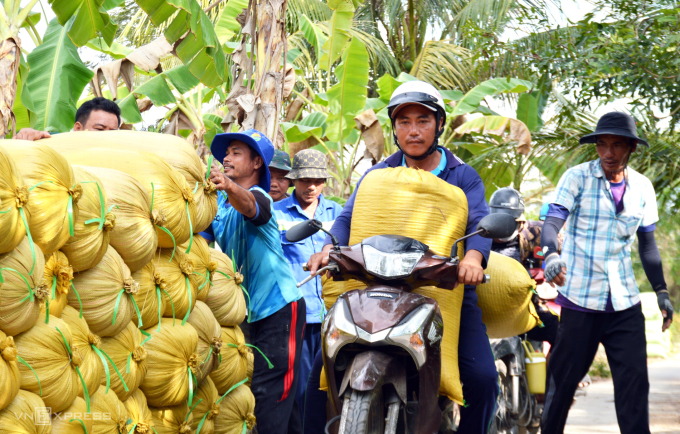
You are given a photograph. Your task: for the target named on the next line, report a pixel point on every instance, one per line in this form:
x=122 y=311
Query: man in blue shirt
x=418 y=115
x=246 y=229
x=309 y=176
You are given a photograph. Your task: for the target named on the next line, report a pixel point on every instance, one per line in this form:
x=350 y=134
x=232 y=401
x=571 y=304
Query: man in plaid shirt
x=604 y=204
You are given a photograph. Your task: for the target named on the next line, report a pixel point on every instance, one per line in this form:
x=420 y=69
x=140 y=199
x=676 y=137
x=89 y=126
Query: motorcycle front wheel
x=363 y=412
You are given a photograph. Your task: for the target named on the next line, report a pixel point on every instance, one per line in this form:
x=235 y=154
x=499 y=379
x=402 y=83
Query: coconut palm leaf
x=445 y=65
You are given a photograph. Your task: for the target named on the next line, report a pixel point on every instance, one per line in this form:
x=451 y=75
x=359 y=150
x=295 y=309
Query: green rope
x=129 y=358
x=69 y=210
x=158 y=294
x=206 y=279
x=38 y=184
x=174 y=244
x=31 y=294
x=195 y=188
x=86 y=394
x=132 y=429
x=224 y=274
x=171 y=305
x=5 y=212
x=21 y=360
x=106 y=366
x=260 y=351
x=78 y=297
x=245 y=428
x=189 y=291
x=134 y=304
x=191 y=385
x=191 y=230
x=244 y=381
x=30 y=237
x=102 y=206
x=53 y=296
x=207 y=174
x=209 y=354
x=81 y=422
x=192 y=408
x=205 y=416
x=116 y=369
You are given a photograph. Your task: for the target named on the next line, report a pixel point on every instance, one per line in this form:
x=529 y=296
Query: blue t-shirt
x=439 y=169
x=255 y=246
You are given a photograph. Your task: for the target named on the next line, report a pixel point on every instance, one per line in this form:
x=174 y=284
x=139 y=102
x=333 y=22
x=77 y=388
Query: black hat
x=507 y=200
x=616 y=124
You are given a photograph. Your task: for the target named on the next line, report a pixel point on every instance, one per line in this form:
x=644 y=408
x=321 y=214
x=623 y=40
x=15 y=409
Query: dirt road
x=595 y=413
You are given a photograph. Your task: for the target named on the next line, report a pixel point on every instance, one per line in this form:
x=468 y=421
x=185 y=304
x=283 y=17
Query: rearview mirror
x=497 y=226
x=303 y=230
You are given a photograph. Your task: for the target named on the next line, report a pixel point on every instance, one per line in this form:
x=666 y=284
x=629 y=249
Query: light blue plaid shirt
x=598 y=241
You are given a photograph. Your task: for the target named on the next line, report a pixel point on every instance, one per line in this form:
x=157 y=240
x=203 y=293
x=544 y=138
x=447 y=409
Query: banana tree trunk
x=10 y=57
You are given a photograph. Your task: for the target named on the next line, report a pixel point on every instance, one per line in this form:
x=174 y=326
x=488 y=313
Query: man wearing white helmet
x=418 y=117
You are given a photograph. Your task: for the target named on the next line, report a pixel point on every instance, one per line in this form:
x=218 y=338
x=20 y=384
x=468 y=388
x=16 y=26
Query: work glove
x=553 y=267
x=665 y=304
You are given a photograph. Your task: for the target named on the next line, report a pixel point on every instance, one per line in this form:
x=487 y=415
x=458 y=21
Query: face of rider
x=240 y=163
x=308 y=190
x=99 y=120
x=614 y=152
x=415 y=127
x=279 y=184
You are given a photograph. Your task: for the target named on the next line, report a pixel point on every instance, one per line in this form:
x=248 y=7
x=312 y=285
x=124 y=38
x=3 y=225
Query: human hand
x=470 y=271
x=31 y=134
x=666 y=308
x=555 y=270
x=218 y=178
x=319 y=260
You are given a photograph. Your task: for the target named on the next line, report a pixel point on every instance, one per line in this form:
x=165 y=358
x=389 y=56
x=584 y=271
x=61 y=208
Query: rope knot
x=122 y=427
x=8 y=349
x=42 y=292
x=184 y=428
x=243 y=350
x=216 y=345
x=159 y=281
x=131 y=286
x=76 y=193
x=238 y=278
x=21 y=196
x=76 y=358
x=142 y=427
x=188 y=195
x=212 y=267
x=214 y=411
x=93 y=339
x=194 y=362
x=64 y=273
x=250 y=421
x=158 y=218
x=186 y=266
x=209 y=187
x=139 y=354
x=109 y=222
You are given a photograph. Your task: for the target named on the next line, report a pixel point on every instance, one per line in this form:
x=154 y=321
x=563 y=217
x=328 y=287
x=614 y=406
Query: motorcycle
x=381 y=345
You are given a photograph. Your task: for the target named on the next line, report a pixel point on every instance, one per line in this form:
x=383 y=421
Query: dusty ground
x=595 y=412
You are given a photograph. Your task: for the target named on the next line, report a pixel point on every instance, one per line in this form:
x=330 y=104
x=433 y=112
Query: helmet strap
x=432 y=148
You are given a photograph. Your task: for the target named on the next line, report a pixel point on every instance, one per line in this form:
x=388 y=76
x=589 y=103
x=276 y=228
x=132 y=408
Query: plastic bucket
x=535 y=369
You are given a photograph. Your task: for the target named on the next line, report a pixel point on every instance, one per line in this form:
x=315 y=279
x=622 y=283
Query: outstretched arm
x=651 y=262
x=241 y=199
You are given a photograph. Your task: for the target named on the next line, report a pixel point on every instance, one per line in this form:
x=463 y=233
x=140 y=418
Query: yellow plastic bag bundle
x=58 y=276
x=234 y=366
x=204 y=266
x=54 y=372
x=226 y=299
x=152 y=296
x=126 y=352
x=139 y=414
x=9 y=370
x=168 y=189
x=54 y=192
x=106 y=292
x=249 y=368
x=209 y=339
x=206 y=407
x=17 y=418
x=175 y=419
x=505 y=301
x=94 y=224
x=13 y=202
x=173 y=364
x=237 y=412
x=84 y=343
x=135 y=237
x=23 y=292
x=174 y=150
x=177 y=269
x=416 y=204
x=73 y=420
x=109 y=415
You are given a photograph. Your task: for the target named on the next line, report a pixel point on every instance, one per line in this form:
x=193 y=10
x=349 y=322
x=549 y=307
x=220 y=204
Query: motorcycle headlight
x=409 y=333
x=339 y=328
x=389 y=265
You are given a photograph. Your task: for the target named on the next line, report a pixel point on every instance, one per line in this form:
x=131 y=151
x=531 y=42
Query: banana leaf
x=88 y=20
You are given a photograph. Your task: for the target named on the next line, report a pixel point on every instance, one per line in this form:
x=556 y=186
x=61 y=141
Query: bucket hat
x=616 y=124
x=253 y=138
x=309 y=163
x=280 y=161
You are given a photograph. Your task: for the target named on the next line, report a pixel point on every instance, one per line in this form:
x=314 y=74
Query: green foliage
x=495 y=86
x=88 y=20
x=312 y=125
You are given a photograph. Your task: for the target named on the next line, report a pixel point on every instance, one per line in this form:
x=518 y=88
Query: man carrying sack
x=605 y=204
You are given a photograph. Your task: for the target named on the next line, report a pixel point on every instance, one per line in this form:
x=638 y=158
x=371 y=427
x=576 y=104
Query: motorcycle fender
x=372 y=369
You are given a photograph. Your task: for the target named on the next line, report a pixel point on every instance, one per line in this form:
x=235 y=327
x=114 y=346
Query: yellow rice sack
x=237 y=412
x=9 y=370
x=135 y=237
x=13 y=201
x=23 y=293
x=173 y=364
x=109 y=414
x=173 y=419
x=58 y=276
x=234 y=366
x=127 y=345
x=84 y=343
x=174 y=150
x=209 y=339
x=225 y=298
x=207 y=407
x=170 y=191
x=139 y=413
x=505 y=301
x=204 y=266
x=54 y=192
x=249 y=368
x=416 y=204
x=106 y=292
x=151 y=298
x=48 y=350
x=177 y=270
x=15 y=418
x=73 y=420
x=94 y=224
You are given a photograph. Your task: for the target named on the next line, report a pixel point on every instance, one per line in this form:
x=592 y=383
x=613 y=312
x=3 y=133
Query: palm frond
x=445 y=65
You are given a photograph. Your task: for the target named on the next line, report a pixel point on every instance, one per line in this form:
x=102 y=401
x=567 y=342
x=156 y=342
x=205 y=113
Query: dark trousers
x=311 y=345
x=551 y=322
x=279 y=337
x=477 y=369
x=623 y=336
x=315 y=402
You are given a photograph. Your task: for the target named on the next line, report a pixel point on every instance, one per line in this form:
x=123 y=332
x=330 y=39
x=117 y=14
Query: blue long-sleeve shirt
x=455 y=173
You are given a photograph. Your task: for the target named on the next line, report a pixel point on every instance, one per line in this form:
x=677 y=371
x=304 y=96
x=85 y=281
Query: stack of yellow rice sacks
x=115 y=315
x=419 y=205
